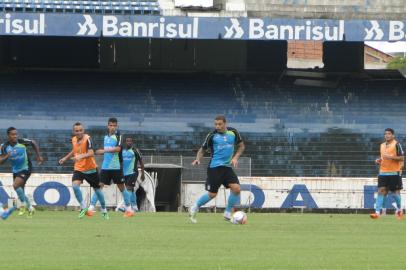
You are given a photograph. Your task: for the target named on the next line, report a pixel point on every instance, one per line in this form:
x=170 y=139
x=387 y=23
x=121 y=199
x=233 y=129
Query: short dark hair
x=390 y=130
x=221 y=117
x=10 y=129
x=112 y=120
x=77 y=124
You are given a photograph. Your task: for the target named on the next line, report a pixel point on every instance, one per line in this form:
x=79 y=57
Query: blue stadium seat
x=147 y=7
x=289 y=130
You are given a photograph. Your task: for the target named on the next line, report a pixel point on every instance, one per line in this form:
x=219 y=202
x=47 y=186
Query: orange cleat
x=128 y=214
x=89 y=213
x=374 y=215
x=400 y=215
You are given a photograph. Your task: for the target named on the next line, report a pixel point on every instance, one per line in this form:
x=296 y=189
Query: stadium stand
x=134 y=7
x=312 y=131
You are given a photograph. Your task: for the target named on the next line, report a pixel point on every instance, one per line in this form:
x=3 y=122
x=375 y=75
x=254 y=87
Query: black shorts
x=391 y=182
x=220 y=176
x=92 y=178
x=109 y=176
x=24 y=174
x=131 y=179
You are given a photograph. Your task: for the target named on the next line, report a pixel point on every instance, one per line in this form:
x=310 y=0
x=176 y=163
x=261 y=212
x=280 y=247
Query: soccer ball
x=239 y=218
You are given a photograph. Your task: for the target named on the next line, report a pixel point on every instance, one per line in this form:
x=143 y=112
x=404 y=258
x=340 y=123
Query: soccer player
x=85 y=168
x=389 y=179
x=131 y=158
x=221 y=144
x=112 y=165
x=15 y=150
x=5 y=213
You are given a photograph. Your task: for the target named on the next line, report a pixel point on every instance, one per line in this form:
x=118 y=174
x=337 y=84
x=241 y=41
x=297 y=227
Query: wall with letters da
x=257 y=192
x=296 y=192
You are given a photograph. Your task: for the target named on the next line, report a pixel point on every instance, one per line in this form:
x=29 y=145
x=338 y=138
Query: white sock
x=91 y=207
x=104 y=210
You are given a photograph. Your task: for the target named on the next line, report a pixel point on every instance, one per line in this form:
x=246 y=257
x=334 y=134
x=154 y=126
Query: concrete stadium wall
x=312 y=9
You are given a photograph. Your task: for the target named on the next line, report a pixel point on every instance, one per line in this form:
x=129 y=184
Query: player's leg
x=233 y=199
x=398 y=186
x=126 y=196
x=104 y=180
x=118 y=179
x=384 y=203
x=77 y=180
x=130 y=183
x=5 y=213
x=231 y=181
x=94 y=181
x=382 y=192
x=213 y=183
x=133 y=197
x=18 y=185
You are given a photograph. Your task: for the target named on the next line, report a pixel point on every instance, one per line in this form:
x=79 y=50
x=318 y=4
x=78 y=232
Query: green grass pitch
x=59 y=240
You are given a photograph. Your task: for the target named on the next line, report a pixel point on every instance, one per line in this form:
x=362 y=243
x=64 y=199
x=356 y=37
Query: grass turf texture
x=59 y=240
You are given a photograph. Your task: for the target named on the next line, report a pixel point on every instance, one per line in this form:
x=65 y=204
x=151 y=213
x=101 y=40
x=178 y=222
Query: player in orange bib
x=390 y=173
x=85 y=168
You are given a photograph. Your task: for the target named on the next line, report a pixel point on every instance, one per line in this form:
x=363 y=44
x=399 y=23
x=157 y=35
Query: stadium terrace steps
x=289 y=130
x=338 y=9
x=134 y=7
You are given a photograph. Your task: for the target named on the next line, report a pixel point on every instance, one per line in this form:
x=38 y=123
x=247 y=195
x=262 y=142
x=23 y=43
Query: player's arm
x=240 y=149
x=399 y=154
x=89 y=153
x=378 y=161
x=205 y=146
x=141 y=162
x=199 y=156
x=238 y=153
x=115 y=149
x=35 y=146
x=65 y=158
x=4 y=156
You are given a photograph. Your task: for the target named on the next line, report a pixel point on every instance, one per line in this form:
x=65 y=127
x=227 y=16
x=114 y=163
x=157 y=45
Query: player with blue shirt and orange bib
x=391 y=164
x=85 y=168
x=221 y=144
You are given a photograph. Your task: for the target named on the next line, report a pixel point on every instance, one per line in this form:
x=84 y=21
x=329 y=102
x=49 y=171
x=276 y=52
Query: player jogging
x=131 y=158
x=221 y=144
x=111 y=171
x=389 y=179
x=85 y=168
x=15 y=151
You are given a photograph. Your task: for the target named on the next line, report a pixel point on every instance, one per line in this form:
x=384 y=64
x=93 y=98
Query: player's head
x=389 y=134
x=78 y=130
x=220 y=123
x=129 y=142
x=12 y=134
x=112 y=125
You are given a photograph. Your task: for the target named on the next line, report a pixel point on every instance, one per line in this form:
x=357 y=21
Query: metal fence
x=196 y=173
